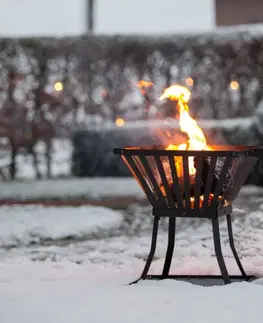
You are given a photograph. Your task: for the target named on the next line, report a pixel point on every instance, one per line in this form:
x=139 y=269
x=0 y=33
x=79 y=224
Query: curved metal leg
x=218 y=251
x=153 y=247
x=170 y=247
x=232 y=245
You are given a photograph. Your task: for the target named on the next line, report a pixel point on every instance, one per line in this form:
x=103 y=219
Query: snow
x=34 y=292
x=70 y=188
x=173 y=123
x=252 y=29
x=100 y=235
x=61 y=160
x=35 y=224
x=74 y=264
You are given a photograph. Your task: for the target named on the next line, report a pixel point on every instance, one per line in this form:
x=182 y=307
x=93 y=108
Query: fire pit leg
x=153 y=247
x=218 y=250
x=232 y=246
x=170 y=247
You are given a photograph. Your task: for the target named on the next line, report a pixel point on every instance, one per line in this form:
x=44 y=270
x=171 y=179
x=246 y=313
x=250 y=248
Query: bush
x=93 y=151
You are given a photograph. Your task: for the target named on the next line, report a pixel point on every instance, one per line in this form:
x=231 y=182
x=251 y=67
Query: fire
x=144 y=84
x=196 y=138
x=187 y=124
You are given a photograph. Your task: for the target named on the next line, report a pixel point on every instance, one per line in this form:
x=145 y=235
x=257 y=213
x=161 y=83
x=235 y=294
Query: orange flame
x=144 y=84
x=197 y=140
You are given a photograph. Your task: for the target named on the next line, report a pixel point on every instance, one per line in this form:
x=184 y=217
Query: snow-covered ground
x=74 y=264
x=90 y=188
x=67 y=293
x=37 y=224
x=96 y=234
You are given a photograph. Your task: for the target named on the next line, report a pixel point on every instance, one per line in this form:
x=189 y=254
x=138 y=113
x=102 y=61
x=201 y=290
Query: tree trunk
x=13 y=166
x=48 y=144
x=35 y=162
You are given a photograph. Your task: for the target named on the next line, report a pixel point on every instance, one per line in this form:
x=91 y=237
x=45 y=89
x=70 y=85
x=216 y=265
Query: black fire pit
x=192 y=184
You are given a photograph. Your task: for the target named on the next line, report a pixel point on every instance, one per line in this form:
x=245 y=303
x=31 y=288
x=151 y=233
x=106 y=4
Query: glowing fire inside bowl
x=197 y=141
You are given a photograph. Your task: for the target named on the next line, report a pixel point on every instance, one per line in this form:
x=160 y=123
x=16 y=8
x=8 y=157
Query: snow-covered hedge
x=50 y=86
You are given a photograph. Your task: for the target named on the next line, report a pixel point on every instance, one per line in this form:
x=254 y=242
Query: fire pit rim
x=223 y=151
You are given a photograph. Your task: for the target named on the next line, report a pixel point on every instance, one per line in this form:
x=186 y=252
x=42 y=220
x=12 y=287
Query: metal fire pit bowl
x=200 y=184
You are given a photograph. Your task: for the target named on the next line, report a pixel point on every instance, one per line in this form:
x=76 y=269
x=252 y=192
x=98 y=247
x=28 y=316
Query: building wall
x=237 y=12
x=68 y=17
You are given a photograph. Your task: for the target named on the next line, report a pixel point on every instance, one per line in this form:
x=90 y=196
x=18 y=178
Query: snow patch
x=24 y=225
x=90 y=188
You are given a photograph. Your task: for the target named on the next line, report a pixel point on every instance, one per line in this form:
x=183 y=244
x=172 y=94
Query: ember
x=144 y=84
x=144 y=87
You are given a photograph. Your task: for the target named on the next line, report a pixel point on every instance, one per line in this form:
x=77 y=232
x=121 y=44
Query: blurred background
x=70 y=70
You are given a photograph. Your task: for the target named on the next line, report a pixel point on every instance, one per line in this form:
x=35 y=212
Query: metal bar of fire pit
x=175 y=190
x=218 y=250
x=170 y=247
x=175 y=179
x=209 y=182
x=232 y=246
x=186 y=183
x=198 y=183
